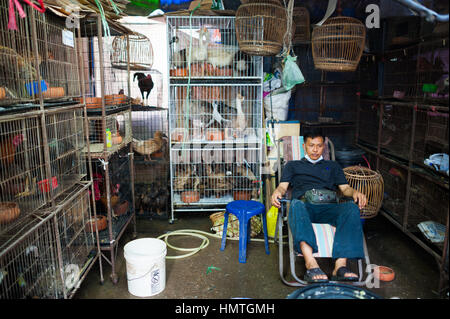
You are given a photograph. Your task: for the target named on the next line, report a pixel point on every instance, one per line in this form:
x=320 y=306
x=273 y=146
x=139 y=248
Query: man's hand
x=359 y=199
x=275 y=196
x=279 y=193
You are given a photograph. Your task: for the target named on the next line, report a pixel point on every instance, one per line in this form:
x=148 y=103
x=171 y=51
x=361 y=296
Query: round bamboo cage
x=141 y=52
x=260 y=27
x=338 y=44
x=371 y=184
x=302 y=25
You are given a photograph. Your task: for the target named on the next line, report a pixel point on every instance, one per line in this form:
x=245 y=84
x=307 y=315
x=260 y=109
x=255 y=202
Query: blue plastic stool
x=244 y=210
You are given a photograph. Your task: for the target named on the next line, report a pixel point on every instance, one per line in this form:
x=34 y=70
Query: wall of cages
x=52 y=256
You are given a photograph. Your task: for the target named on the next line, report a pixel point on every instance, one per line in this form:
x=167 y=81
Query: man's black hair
x=313 y=134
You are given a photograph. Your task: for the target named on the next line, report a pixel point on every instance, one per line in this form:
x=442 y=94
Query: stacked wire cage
x=105 y=82
x=43 y=176
x=50 y=259
x=215 y=115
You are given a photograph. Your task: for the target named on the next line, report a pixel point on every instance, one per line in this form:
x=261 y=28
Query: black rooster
x=145 y=84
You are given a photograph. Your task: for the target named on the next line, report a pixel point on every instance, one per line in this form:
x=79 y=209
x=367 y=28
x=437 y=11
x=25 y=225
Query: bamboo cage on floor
x=371 y=184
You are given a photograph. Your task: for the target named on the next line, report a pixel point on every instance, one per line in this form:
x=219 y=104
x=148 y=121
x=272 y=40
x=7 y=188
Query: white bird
x=221 y=56
x=240 y=123
x=198 y=53
x=217 y=116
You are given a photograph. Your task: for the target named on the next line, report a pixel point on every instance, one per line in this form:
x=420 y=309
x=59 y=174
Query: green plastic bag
x=291 y=73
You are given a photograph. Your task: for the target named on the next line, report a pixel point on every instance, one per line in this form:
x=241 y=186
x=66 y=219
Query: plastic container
x=146 y=266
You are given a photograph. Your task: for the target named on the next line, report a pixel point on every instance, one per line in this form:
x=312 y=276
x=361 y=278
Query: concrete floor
x=416 y=271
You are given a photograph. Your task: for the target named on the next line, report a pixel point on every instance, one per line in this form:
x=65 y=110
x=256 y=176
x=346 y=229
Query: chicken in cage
x=207 y=47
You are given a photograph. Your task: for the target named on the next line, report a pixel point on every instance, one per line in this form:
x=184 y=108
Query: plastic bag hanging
x=291 y=73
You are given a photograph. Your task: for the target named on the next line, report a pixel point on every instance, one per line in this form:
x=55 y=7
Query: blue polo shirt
x=304 y=175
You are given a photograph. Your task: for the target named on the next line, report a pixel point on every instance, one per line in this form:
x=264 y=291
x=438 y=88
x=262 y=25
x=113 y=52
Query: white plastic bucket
x=146 y=266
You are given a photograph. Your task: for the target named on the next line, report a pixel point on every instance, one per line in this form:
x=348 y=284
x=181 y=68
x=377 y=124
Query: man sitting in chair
x=313 y=172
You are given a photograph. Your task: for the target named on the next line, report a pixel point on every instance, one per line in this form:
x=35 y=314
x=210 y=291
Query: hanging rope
x=287 y=39
x=103 y=17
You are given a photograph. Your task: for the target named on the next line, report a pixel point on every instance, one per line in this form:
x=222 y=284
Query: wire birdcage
x=141 y=52
x=338 y=44
x=260 y=27
x=302 y=27
x=371 y=184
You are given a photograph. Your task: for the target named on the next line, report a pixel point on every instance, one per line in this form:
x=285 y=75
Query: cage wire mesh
x=96 y=57
x=116 y=135
x=66 y=141
x=120 y=192
x=214 y=49
x=17 y=64
x=368 y=123
x=58 y=61
x=151 y=162
x=22 y=169
x=30 y=266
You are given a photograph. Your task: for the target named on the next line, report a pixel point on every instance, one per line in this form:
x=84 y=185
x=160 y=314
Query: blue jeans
x=348 y=239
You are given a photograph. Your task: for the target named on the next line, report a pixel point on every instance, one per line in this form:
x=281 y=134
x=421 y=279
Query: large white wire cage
x=39 y=58
x=215 y=118
x=49 y=259
x=211 y=47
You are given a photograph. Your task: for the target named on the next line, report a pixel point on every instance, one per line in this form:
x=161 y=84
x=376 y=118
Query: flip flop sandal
x=313 y=272
x=340 y=275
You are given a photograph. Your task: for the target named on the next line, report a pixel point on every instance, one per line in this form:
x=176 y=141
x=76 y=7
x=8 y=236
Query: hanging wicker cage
x=371 y=184
x=302 y=25
x=260 y=27
x=338 y=44
x=141 y=52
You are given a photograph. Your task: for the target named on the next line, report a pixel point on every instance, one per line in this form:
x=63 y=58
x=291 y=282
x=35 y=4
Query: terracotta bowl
x=53 y=93
x=2 y=93
x=116 y=139
x=115 y=99
x=121 y=208
x=384 y=273
x=242 y=195
x=190 y=196
x=178 y=72
x=223 y=71
x=100 y=224
x=91 y=102
x=214 y=135
x=9 y=211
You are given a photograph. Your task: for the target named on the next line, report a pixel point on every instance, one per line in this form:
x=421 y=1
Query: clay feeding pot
x=53 y=93
x=116 y=139
x=9 y=211
x=214 y=135
x=190 y=196
x=242 y=195
x=2 y=93
x=91 y=102
x=92 y=224
x=223 y=72
x=115 y=99
x=178 y=72
x=384 y=273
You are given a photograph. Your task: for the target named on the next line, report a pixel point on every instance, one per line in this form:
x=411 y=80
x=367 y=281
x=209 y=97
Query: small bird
x=145 y=84
x=150 y=146
x=217 y=116
x=242 y=64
